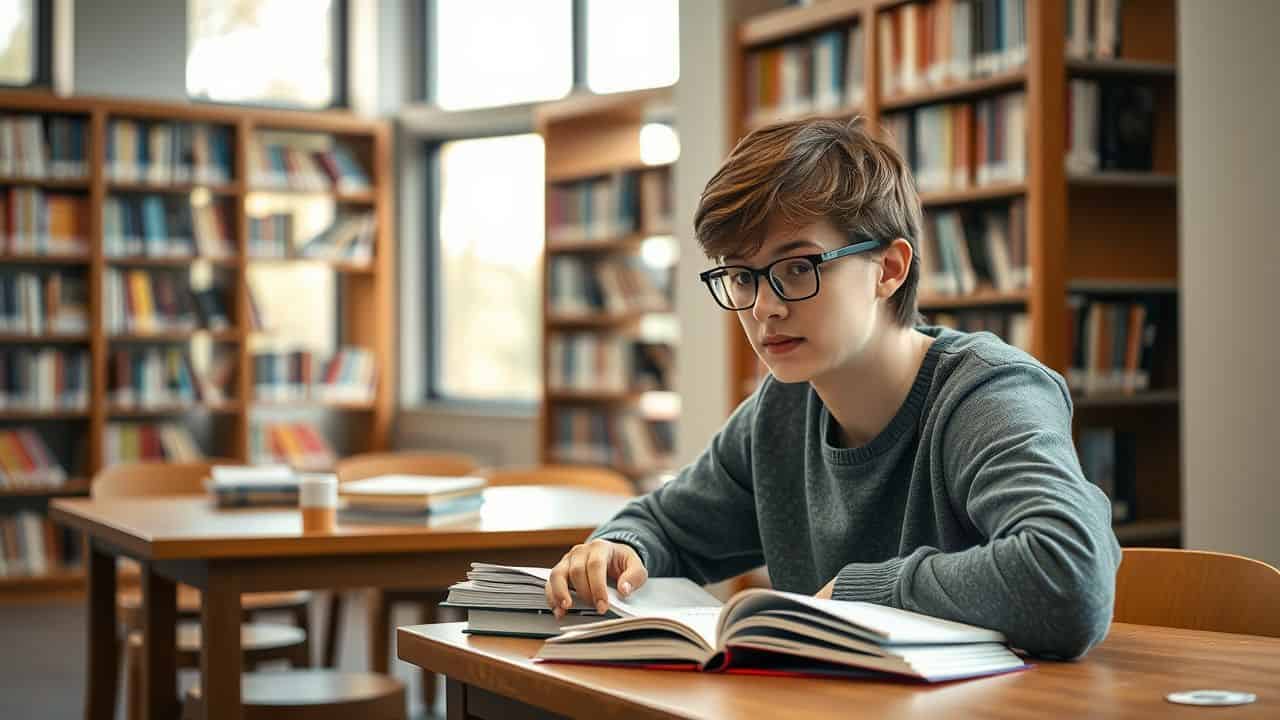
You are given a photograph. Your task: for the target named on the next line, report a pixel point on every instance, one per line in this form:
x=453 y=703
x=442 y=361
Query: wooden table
x=228 y=552
x=1128 y=675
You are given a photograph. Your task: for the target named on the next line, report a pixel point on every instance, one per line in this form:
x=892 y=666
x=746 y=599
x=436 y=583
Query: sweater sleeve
x=702 y=524
x=1045 y=575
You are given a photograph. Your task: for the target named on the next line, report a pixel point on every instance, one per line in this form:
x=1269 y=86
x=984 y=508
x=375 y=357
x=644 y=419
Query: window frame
x=42 y=48
x=340 y=36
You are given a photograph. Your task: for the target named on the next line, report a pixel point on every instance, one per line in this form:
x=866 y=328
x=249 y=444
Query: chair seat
x=129 y=603
x=259 y=642
x=315 y=694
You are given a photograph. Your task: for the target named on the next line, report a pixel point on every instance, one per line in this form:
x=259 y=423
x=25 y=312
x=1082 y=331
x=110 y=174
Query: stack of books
x=768 y=632
x=505 y=600
x=253 y=486
x=415 y=499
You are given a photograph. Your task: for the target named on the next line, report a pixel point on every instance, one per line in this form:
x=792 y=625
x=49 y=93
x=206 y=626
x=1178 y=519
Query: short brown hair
x=802 y=171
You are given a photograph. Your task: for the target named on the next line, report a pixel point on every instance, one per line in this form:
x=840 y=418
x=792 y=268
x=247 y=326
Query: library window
x=270 y=52
x=486 y=313
x=17 y=42
x=487 y=53
x=632 y=45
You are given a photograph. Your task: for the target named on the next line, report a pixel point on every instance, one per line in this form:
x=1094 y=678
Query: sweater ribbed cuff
x=869 y=582
x=631 y=539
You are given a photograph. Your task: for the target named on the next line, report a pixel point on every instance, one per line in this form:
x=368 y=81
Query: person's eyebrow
x=796 y=244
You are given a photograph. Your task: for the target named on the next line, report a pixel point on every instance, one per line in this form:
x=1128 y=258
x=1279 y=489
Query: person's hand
x=588 y=568
x=826 y=590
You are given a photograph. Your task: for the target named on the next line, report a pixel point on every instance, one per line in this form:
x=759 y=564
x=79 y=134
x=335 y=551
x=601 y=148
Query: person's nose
x=768 y=303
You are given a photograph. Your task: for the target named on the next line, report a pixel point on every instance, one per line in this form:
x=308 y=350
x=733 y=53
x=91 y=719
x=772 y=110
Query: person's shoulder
x=969 y=360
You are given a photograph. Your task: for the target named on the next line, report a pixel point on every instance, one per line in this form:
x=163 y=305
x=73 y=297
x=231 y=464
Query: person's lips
x=780 y=344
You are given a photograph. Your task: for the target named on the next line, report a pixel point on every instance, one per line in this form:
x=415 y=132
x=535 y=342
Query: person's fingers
x=598 y=557
x=633 y=573
x=558 y=597
x=578 y=581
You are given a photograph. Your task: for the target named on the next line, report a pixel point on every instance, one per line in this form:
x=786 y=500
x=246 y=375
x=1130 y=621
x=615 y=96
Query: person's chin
x=788 y=372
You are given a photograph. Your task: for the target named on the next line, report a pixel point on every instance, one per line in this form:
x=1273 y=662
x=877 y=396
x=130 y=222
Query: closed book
x=422 y=493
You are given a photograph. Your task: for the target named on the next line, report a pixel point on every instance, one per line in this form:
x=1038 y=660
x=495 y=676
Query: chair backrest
x=153 y=477
x=1198 y=590
x=583 y=476
x=446 y=464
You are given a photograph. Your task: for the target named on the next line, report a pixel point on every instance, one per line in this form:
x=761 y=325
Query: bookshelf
x=208 y=171
x=1093 y=236
x=608 y=321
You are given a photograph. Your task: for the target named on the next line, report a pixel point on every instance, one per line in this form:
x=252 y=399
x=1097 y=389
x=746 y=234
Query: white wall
x=131 y=48
x=1229 y=119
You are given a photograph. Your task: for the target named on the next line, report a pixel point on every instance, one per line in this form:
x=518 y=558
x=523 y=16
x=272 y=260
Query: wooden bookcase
x=365 y=309
x=1102 y=233
x=597 y=138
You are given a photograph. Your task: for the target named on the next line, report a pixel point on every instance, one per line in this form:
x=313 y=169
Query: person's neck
x=864 y=396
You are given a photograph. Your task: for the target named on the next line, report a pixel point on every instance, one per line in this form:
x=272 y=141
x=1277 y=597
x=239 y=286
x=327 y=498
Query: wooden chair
x=313 y=695
x=1198 y=590
x=359 y=467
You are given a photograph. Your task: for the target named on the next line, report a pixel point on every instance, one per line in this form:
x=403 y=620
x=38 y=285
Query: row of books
x=133 y=442
x=592 y=362
x=348 y=376
x=165 y=152
x=278 y=165
x=1108 y=457
x=816 y=73
x=1113 y=342
x=35 y=303
x=30 y=544
x=937 y=42
x=1013 y=327
x=954 y=146
x=1110 y=125
x=578 y=286
x=298 y=445
x=608 y=207
x=349 y=238
x=1093 y=28
x=165 y=226
x=46 y=379
x=25 y=461
x=36 y=222
x=159 y=377
x=598 y=437
x=43 y=146
x=962 y=251
x=146 y=301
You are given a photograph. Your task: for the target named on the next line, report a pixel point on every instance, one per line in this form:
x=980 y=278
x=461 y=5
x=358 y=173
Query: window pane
x=632 y=45
x=17 y=42
x=490 y=242
x=501 y=52
x=261 y=51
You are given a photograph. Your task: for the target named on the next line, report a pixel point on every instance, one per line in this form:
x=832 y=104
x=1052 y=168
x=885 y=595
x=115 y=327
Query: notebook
x=771 y=632
x=413 y=493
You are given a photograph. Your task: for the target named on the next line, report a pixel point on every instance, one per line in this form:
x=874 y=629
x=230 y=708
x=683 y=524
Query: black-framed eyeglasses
x=793 y=278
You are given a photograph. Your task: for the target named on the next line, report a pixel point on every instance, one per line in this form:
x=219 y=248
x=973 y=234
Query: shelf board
x=50 y=183
x=1121 y=66
x=74 y=487
x=362 y=406
x=786 y=23
x=214 y=409
x=41 y=338
x=176 y=336
x=15 y=414
x=1118 y=178
x=601 y=320
x=131 y=186
x=975 y=194
x=366 y=197
x=837 y=113
x=1137 y=399
x=954 y=91
x=143 y=261
x=59 y=580
x=575 y=174
x=44 y=259
x=1148 y=531
x=1101 y=286
x=592 y=396
x=982 y=298
x=343 y=266
x=630 y=241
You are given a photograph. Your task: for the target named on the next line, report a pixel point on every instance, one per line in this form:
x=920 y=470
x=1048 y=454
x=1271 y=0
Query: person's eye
x=741 y=278
x=798 y=268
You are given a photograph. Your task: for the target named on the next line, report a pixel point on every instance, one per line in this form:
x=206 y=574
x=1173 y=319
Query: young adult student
x=880 y=460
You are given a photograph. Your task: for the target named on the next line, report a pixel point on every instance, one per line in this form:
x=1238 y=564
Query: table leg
x=455 y=700
x=104 y=652
x=379 y=631
x=159 y=643
x=220 y=657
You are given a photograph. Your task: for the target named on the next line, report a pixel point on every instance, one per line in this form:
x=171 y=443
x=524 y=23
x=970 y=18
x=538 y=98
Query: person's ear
x=895 y=262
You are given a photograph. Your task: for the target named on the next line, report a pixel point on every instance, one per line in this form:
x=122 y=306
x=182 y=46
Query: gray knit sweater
x=970 y=505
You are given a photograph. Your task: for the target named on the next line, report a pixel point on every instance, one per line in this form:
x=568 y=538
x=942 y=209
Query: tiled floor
x=42 y=650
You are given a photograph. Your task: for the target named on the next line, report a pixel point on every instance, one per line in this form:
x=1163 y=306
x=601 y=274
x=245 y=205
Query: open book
x=773 y=632
x=506 y=600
